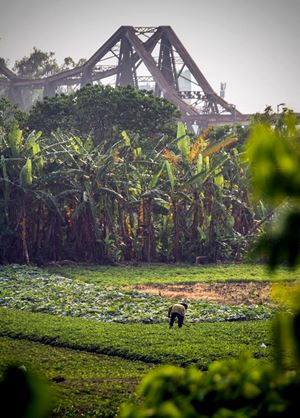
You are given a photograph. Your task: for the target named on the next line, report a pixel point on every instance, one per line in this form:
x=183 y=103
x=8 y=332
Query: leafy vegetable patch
x=36 y=290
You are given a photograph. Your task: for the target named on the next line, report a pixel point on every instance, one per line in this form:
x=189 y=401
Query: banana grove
x=64 y=198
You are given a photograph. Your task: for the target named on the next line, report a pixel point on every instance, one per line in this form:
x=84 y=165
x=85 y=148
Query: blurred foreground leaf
x=23 y=394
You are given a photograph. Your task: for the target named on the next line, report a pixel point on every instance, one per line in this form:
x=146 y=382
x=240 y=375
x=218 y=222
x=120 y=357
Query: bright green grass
x=94 y=385
x=160 y=273
x=199 y=344
x=80 y=395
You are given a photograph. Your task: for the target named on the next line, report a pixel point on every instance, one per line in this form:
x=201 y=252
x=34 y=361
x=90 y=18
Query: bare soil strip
x=249 y=293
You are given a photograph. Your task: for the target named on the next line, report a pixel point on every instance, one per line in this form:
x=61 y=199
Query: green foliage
x=101 y=383
x=81 y=384
x=183 y=142
x=38 y=64
x=26 y=174
x=52 y=114
x=170 y=274
x=15 y=139
x=170 y=174
x=233 y=388
x=29 y=289
x=22 y=394
x=281 y=246
x=41 y=64
x=8 y=113
x=199 y=188
x=274 y=156
x=135 y=196
x=39 y=201
x=104 y=112
x=153 y=343
x=241 y=388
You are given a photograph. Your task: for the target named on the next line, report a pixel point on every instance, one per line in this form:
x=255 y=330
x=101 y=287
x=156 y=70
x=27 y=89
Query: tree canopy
x=103 y=112
x=41 y=64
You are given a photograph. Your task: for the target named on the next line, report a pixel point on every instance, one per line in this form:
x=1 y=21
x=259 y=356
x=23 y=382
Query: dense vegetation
x=122 y=195
x=101 y=113
x=98 y=385
x=38 y=64
x=241 y=388
x=198 y=344
x=233 y=388
x=79 y=383
x=37 y=291
x=89 y=388
x=103 y=176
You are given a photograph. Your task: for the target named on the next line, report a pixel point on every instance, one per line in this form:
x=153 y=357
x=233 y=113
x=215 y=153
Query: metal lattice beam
x=122 y=57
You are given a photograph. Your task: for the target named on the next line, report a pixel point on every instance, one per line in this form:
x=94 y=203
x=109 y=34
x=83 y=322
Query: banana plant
x=188 y=169
x=63 y=198
x=21 y=168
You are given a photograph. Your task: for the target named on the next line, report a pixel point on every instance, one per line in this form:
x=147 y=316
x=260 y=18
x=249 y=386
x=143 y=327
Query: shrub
x=233 y=388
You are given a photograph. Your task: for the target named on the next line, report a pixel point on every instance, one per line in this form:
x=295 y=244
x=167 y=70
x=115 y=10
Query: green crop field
x=80 y=383
x=161 y=273
x=100 y=337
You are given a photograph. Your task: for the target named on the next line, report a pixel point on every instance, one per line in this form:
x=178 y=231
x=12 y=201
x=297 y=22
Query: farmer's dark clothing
x=173 y=317
x=176 y=311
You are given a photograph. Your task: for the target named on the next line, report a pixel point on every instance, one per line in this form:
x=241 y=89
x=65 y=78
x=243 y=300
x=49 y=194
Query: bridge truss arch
x=150 y=58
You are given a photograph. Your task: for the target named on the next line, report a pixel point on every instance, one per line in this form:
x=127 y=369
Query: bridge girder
x=173 y=75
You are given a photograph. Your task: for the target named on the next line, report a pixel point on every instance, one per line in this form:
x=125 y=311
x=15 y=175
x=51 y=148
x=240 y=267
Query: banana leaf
x=204 y=176
x=181 y=132
x=26 y=174
x=15 y=139
x=170 y=174
x=126 y=138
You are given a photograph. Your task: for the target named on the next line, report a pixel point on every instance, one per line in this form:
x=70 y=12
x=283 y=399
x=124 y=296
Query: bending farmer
x=177 y=311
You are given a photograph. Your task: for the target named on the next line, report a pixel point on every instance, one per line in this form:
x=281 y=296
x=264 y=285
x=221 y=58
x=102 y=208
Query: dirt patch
x=248 y=293
x=121 y=380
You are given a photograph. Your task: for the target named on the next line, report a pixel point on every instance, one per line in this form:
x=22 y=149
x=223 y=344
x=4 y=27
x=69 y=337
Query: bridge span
x=150 y=58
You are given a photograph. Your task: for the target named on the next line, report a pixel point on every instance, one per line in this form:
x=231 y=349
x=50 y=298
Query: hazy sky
x=252 y=45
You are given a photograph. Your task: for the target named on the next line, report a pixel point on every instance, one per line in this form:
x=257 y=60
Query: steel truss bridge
x=150 y=58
